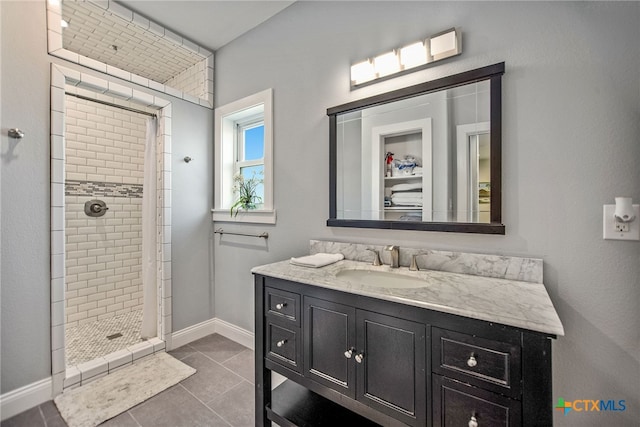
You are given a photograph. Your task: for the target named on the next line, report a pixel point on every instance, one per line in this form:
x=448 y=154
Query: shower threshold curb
x=83 y=373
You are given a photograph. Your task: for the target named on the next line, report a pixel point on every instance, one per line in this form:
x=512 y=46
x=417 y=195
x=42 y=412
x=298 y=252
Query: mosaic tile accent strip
x=102 y=189
x=89 y=341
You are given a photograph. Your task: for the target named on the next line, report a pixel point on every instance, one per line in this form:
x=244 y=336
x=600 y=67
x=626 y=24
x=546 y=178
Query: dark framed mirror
x=426 y=157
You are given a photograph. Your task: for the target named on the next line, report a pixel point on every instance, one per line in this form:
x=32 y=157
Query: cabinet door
x=390 y=359
x=329 y=335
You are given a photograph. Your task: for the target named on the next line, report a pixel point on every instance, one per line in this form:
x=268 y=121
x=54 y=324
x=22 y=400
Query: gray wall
x=25 y=333
x=571 y=124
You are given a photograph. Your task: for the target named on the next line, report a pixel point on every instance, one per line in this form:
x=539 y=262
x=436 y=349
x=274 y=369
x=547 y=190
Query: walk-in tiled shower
x=96 y=163
x=104 y=160
x=97 y=176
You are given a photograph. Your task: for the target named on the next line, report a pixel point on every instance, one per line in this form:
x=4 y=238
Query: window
x=243 y=146
x=250 y=153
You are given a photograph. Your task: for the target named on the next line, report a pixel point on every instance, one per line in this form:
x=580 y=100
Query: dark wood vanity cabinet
x=360 y=360
x=376 y=359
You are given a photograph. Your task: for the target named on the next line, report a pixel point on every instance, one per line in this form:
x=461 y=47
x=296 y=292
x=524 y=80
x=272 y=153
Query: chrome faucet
x=395 y=255
x=376 y=257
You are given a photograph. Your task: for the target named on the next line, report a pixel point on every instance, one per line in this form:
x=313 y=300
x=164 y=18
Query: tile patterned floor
x=219 y=394
x=89 y=341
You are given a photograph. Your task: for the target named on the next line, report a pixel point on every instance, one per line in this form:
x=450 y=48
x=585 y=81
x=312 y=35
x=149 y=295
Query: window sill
x=254 y=216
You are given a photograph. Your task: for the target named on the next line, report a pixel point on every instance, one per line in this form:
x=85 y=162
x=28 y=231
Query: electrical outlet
x=622 y=227
x=615 y=230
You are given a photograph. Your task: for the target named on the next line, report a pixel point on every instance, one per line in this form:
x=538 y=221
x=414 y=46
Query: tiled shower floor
x=89 y=341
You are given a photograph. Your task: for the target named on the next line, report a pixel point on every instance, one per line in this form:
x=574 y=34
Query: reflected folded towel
x=407 y=196
x=407 y=199
x=407 y=203
x=317 y=260
x=407 y=187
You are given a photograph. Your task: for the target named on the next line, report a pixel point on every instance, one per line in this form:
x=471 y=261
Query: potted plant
x=246 y=191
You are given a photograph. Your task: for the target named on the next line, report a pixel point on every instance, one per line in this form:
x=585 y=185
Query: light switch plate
x=609 y=225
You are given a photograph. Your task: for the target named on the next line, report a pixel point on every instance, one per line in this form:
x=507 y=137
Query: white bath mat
x=106 y=397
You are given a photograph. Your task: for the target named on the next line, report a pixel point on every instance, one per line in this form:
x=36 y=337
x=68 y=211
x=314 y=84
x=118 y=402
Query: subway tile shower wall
x=192 y=80
x=104 y=160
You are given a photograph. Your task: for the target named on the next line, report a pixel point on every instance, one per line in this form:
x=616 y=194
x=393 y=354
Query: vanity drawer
x=283 y=346
x=282 y=305
x=459 y=404
x=493 y=365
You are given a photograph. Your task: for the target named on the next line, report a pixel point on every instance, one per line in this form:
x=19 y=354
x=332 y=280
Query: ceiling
x=209 y=23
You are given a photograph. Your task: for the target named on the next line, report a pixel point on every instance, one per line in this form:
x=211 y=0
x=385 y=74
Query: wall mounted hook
x=15 y=133
x=187 y=159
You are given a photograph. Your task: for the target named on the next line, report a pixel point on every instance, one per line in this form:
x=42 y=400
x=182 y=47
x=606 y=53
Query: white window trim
x=225 y=119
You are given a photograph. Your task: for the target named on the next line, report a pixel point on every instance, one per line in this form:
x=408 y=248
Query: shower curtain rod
x=86 y=98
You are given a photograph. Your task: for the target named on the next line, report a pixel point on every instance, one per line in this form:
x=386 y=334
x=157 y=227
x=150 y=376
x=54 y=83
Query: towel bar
x=263 y=235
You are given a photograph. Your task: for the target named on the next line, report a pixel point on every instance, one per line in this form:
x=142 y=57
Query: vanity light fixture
x=362 y=72
x=443 y=45
x=413 y=57
x=386 y=64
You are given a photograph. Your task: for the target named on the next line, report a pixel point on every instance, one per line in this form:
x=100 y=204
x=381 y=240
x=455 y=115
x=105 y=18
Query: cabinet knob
x=472 y=362
x=473 y=422
x=281 y=305
x=348 y=353
x=359 y=357
x=281 y=343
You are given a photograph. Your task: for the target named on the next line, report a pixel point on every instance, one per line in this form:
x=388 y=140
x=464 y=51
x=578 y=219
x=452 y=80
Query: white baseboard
x=235 y=333
x=23 y=398
x=192 y=333
x=212 y=326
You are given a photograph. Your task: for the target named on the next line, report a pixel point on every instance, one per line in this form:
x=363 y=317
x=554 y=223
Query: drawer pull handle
x=473 y=422
x=281 y=343
x=281 y=305
x=472 y=362
x=359 y=357
x=348 y=353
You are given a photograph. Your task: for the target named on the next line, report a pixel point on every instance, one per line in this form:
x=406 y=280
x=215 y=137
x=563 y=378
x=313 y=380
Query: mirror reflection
x=417 y=159
x=425 y=158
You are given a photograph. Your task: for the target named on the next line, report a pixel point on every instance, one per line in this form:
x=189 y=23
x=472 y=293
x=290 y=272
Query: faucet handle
x=376 y=257
x=414 y=262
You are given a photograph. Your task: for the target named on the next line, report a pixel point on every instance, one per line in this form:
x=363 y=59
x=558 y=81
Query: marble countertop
x=510 y=302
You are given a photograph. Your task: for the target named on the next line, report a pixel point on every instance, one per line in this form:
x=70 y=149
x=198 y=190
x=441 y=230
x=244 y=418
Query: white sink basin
x=380 y=279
